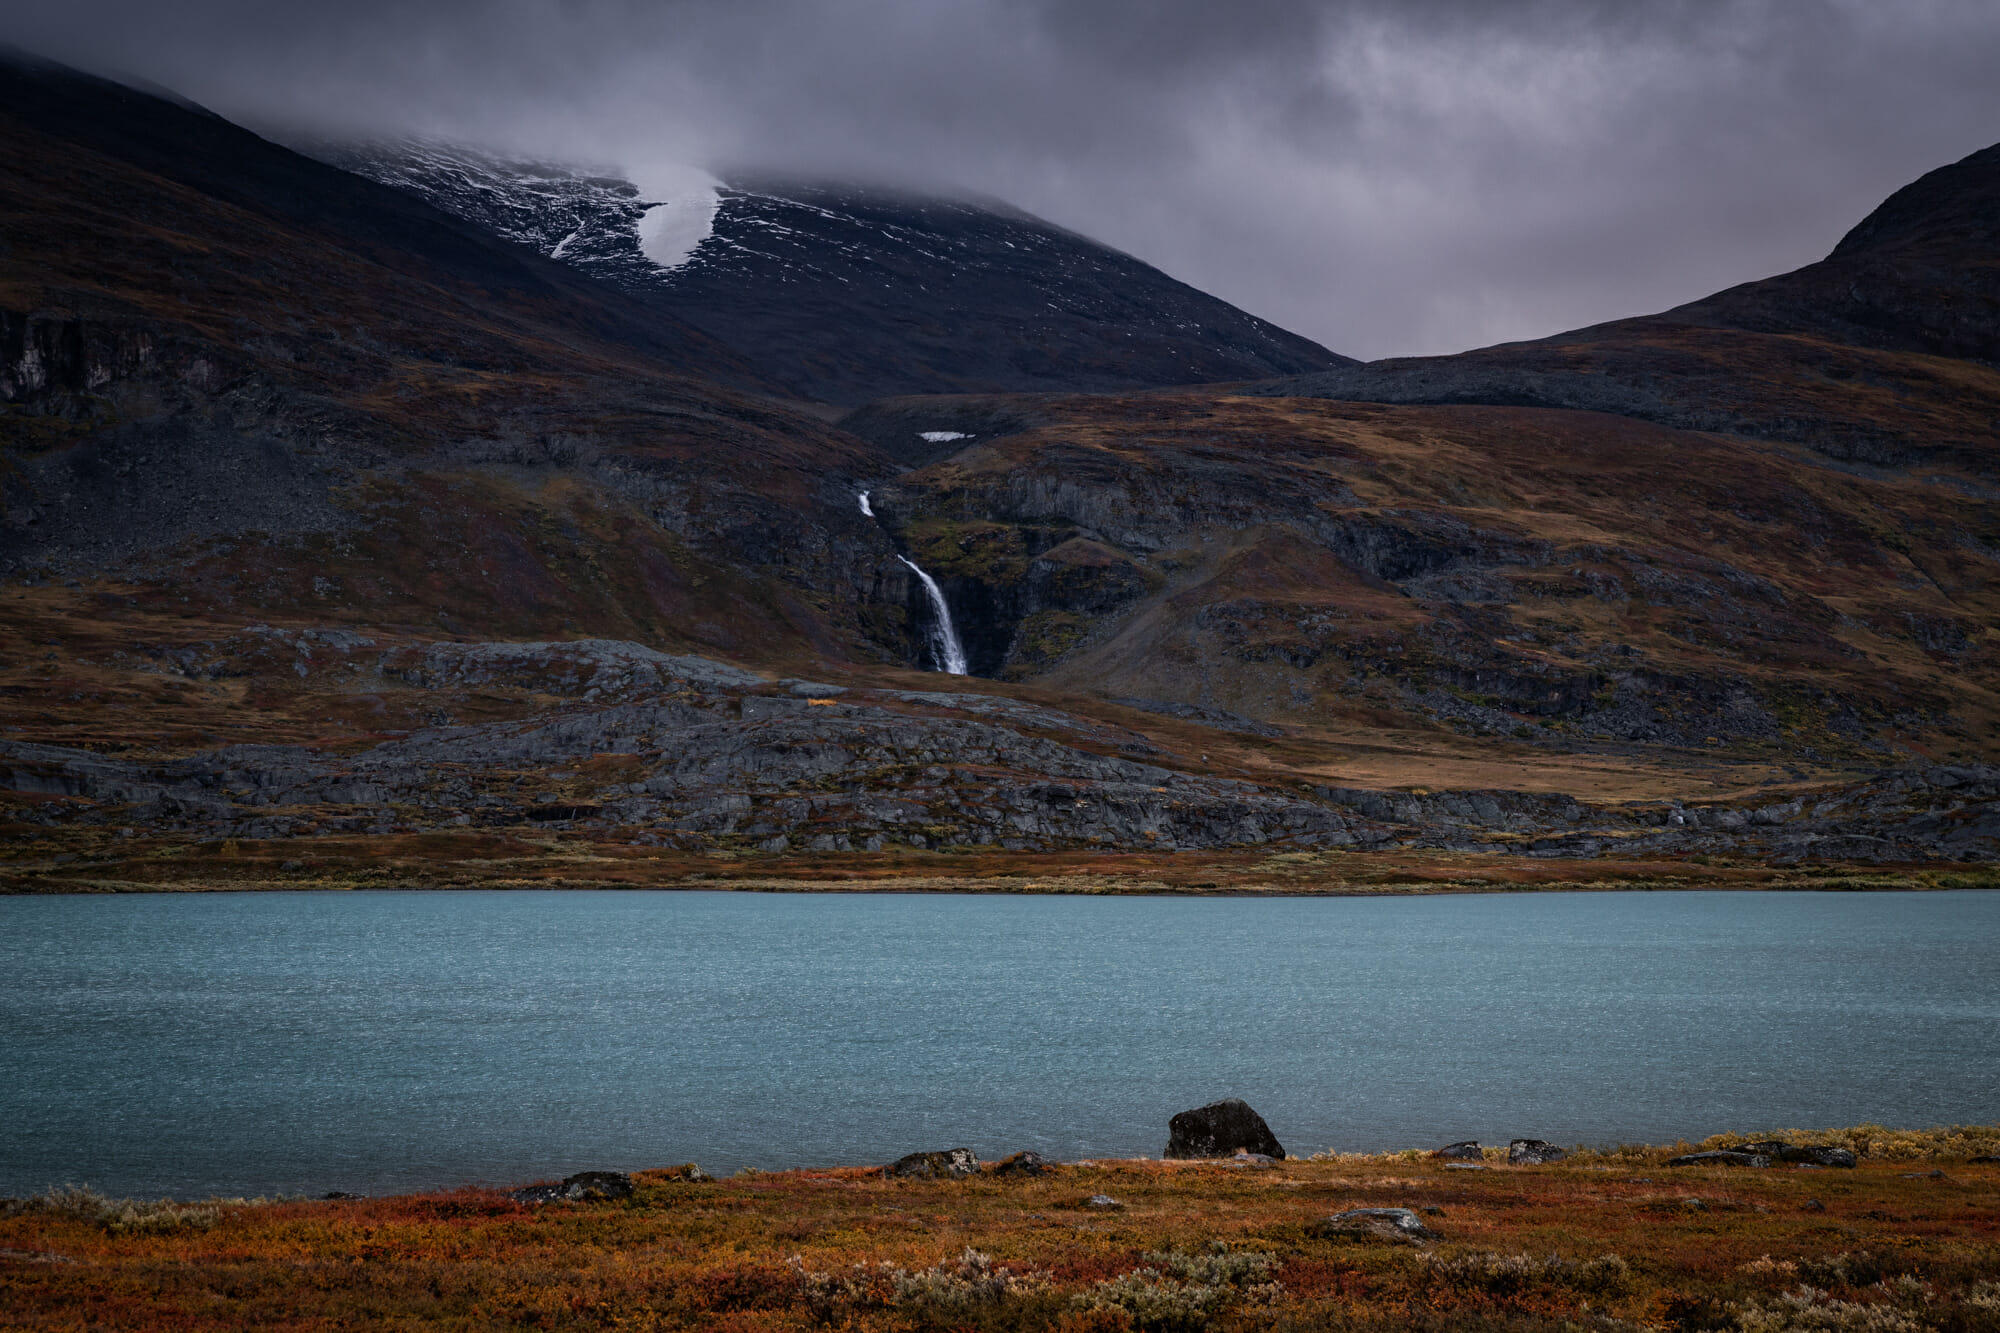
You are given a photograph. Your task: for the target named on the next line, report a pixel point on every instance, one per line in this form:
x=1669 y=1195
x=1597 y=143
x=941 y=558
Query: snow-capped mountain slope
x=851 y=293
x=588 y=220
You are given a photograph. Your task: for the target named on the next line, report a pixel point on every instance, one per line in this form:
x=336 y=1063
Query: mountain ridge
x=852 y=292
x=1884 y=352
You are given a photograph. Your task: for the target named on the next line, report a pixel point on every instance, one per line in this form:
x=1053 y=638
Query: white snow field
x=683 y=212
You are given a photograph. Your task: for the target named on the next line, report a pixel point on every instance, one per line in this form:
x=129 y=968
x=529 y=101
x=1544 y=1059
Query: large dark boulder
x=1220 y=1129
x=1466 y=1151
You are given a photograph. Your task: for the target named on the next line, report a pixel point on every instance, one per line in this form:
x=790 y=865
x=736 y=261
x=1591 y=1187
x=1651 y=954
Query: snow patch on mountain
x=681 y=212
x=631 y=227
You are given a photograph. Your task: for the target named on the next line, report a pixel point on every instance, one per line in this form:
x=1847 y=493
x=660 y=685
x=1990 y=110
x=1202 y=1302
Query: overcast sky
x=1388 y=178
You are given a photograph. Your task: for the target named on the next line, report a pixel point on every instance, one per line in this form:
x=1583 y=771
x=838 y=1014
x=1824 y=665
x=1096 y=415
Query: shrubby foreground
x=1617 y=1239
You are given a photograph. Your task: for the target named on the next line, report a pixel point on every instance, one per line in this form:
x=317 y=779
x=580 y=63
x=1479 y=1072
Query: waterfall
x=944 y=639
x=945 y=646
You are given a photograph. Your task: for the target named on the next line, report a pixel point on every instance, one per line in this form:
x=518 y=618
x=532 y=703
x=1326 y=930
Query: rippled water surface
x=259 y=1043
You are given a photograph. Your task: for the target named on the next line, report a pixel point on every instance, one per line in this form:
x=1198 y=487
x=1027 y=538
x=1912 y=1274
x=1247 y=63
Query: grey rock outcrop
x=1465 y=1151
x=951 y=1164
x=687 y=752
x=584 y=1185
x=1721 y=1157
x=1820 y=1155
x=1777 y=1150
x=1397 y=1224
x=1533 y=1152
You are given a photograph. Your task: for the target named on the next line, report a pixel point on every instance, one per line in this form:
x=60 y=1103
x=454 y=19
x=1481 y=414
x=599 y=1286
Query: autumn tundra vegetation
x=1610 y=1238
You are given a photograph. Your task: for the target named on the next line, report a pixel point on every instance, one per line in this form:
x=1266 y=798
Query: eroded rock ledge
x=691 y=753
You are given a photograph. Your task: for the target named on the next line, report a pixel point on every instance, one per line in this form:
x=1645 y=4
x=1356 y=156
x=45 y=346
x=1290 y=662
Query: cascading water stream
x=945 y=646
x=944 y=638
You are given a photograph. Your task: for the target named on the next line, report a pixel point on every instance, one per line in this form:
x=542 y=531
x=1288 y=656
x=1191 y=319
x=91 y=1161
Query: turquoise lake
x=299 y=1043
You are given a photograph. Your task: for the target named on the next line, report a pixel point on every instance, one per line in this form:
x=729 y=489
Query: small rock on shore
x=951 y=1164
x=1023 y=1164
x=1533 y=1152
x=581 y=1186
x=1720 y=1157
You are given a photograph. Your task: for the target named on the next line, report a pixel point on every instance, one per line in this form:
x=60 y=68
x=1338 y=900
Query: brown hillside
x=291 y=460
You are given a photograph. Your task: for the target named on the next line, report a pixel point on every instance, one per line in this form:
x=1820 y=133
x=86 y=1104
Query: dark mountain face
x=231 y=375
x=1885 y=352
x=1919 y=274
x=227 y=166
x=1956 y=208
x=849 y=294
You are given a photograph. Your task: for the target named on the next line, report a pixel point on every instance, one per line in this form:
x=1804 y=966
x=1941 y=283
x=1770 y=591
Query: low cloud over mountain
x=1386 y=179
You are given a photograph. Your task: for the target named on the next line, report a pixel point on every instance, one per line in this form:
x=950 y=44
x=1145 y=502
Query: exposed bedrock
x=653 y=748
x=1286 y=586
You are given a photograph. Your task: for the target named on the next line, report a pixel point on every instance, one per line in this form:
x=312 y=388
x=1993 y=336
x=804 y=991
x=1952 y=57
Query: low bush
x=1506 y=1274
x=1810 y=1310
x=122 y=1216
x=1184 y=1293
x=1896 y=1145
x=956 y=1287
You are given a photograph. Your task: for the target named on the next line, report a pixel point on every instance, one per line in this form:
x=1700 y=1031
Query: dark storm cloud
x=1386 y=177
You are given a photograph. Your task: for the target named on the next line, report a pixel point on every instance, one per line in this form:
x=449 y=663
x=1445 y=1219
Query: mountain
x=1884 y=352
x=848 y=293
x=231 y=368
x=1764 y=521
x=335 y=527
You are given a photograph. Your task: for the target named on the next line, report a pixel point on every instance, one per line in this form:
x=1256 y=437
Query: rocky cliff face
x=686 y=752
x=1548 y=576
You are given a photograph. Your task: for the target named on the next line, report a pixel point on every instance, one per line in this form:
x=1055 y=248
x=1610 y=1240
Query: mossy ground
x=1607 y=1240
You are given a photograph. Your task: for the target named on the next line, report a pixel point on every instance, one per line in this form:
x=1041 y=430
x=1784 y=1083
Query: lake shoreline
x=484 y=860
x=1872 y=1144
x=1617 y=1240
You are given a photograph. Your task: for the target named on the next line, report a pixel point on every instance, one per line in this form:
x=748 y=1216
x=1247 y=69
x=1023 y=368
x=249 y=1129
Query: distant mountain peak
x=851 y=292
x=1957 y=205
